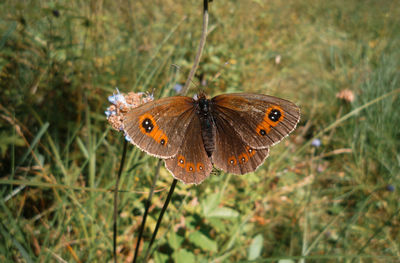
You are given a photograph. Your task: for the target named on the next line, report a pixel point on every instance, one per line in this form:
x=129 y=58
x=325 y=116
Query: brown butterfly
x=233 y=132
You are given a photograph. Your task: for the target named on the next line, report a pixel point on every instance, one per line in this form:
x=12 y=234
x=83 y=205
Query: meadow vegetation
x=327 y=193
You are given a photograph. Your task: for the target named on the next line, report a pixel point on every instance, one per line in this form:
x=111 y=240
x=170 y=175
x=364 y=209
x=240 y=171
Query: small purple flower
x=108 y=113
x=56 y=13
x=178 y=87
x=390 y=188
x=316 y=143
x=118 y=97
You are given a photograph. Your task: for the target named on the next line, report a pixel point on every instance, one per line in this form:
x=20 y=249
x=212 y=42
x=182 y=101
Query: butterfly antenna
x=152 y=91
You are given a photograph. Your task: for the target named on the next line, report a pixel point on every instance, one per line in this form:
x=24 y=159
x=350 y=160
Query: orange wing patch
x=273 y=116
x=200 y=167
x=250 y=151
x=243 y=158
x=232 y=160
x=181 y=161
x=148 y=126
x=190 y=167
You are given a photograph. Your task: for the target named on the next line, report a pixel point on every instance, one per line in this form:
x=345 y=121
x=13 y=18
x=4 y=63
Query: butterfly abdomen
x=208 y=127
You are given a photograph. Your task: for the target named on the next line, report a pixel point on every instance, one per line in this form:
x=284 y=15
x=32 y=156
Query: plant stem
x=116 y=200
x=171 y=191
x=200 y=49
x=148 y=202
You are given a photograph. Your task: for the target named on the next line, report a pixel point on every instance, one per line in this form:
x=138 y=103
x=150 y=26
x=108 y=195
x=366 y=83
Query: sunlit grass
x=337 y=202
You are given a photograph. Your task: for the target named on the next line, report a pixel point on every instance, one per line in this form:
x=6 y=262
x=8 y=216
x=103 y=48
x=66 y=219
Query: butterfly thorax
x=203 y=111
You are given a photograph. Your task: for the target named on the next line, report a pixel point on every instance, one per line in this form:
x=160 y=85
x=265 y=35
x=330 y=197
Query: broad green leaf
x=160 y=257
x=203 y=241
x=255 y=247
x=210 y=203
x=184 y=256
x=218 y=224
x=223 y=212
x=175 y=240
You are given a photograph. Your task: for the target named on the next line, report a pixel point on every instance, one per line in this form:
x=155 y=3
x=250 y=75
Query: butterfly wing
x=158 y=127
x=191 y=164
x=231 y=153
x=260 y=120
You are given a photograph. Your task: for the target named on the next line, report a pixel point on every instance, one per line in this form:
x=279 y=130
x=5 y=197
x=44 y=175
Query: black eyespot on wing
x=274 y=115
x=147 y=125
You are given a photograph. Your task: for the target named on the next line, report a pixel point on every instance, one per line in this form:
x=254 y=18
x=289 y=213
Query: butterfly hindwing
x=158 y=127
x=232 y=154
x=191 y=164
x=260 y=120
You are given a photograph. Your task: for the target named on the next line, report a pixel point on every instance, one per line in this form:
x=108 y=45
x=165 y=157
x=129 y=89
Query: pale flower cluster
x=121 y=104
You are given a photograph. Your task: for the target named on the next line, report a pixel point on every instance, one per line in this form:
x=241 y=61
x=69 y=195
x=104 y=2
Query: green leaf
x=255 y=247
x=184 y=256
x=175 y=240
x=211 y=209
x=210 y=203
x=203 y=241
x=160 y=257
x=223 y=212
x=218 y=224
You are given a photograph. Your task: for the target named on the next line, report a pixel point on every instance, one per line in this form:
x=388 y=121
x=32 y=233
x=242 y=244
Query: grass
x=338 y=202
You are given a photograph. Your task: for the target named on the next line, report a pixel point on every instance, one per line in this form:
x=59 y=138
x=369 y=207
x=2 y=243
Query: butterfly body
x=232 y=132
x=204 y=113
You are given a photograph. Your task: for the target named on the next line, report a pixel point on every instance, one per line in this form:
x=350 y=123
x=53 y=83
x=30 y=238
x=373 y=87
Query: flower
x=390 y=188
x=278 y=59
x=121 y=104
x=316 y=143
x=178 y=88
x=346 y=95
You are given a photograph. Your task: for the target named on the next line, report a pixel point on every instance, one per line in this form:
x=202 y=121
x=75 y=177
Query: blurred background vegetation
x=328 y=193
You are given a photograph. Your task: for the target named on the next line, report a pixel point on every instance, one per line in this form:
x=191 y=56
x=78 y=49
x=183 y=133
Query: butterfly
x=232 y=132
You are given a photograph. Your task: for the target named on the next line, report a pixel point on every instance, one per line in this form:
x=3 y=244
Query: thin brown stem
x=199 y=50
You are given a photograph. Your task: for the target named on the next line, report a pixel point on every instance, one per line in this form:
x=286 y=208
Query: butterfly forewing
x=232 y=154
x=191 y=164
x=260 y=120
x=159 y=127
